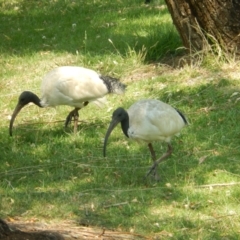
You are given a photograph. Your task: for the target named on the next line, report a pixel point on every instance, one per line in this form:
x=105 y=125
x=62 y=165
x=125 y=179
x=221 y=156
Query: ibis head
x=119 y=115
x=24 y=98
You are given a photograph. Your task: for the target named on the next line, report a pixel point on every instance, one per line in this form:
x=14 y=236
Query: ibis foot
x=153 y=172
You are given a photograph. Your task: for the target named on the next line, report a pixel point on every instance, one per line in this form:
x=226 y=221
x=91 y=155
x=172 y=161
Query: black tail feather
x=113 y=84
x=183 y=117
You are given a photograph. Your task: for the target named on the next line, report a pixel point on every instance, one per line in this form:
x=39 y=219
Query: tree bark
x=200 y=22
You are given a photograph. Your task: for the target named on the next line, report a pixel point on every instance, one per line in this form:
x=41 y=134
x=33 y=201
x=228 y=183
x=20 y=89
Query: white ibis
x=73 y=86
x=148 y=120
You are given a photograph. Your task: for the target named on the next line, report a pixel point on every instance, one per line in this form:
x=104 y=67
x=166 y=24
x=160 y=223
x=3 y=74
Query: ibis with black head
x=149 y=120
x=73 y=86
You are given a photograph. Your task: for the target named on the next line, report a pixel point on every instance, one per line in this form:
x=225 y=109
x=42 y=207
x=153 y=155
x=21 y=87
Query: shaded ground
x=20 y=230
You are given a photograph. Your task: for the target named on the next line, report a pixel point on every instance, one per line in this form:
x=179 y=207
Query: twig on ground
x=103 y=231
x=115 y=205
x=219 y=185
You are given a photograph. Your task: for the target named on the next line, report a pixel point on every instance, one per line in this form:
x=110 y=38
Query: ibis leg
x=156 y=162
x=153 y=155
x=76 y=116
x=152 y=152
x=73 y=115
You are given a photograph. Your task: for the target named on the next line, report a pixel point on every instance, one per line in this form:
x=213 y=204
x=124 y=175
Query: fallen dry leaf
x=202 y=159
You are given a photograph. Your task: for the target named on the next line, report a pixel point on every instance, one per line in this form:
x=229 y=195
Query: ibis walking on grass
x=148 y=120
x=73 y=86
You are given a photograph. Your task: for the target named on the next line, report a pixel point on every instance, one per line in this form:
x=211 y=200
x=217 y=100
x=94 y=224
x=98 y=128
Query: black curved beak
x=14 y=115
x=112 y=125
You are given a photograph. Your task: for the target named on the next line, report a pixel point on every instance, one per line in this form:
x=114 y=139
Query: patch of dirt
x=146 y=72
x=153 y=70
x=20 y=230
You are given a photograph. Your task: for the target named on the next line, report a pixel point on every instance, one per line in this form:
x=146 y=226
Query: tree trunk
x=200 y=22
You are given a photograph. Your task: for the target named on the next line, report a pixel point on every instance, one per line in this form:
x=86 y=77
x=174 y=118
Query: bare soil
x=20 y=230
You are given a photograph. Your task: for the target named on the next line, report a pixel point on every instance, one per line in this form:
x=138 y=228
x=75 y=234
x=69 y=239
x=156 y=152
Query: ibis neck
x=125 y=125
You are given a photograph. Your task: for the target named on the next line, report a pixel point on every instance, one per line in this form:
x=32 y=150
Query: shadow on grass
x=68 y=175
x=71 y=26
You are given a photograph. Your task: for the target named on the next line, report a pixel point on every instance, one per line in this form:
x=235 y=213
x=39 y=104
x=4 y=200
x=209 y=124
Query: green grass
x=49 y=173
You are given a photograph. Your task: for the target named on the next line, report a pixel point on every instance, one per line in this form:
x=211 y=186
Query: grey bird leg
x=152 y=152
x=156 y=162
x=74 y=115
x=153 y=155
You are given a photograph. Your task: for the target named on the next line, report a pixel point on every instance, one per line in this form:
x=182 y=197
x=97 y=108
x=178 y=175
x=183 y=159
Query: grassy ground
x=50 y=174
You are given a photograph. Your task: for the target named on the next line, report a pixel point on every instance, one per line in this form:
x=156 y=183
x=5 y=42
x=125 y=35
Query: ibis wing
x=72 y=86
x=152 y=120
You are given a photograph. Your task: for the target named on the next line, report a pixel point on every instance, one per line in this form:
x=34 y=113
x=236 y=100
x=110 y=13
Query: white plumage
x=149 y=120
x=72 y=86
